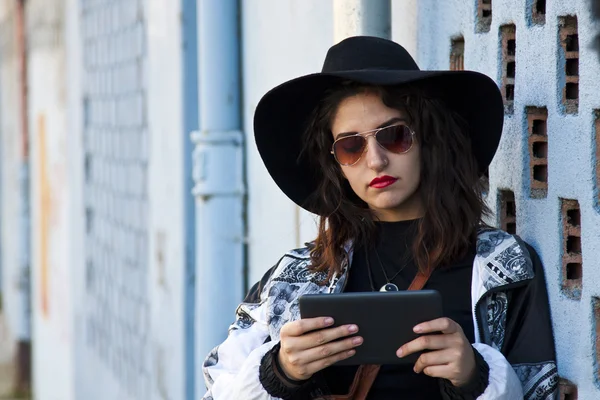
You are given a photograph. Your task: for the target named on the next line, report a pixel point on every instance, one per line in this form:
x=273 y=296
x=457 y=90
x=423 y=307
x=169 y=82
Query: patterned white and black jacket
x=513 y=330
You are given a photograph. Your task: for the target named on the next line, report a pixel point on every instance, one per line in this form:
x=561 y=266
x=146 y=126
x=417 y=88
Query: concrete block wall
x=567 y=239
x=116 y=343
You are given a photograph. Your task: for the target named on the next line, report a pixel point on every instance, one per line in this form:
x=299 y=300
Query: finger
x=291 y=344
x=330 y=349
x=301 y=326
x=427 y=342
x=433 y=358
x=321 y=364
x=438 y=371
x=323 y=336
x=444 y=325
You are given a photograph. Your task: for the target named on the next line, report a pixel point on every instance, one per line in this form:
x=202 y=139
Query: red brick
x=484 y=15
x=538 y=12
x=567 y=389
x=509 y=50
x=457 y=54
x=507 y=211
x=537 y=132
x=572 y=265
x=569 y=44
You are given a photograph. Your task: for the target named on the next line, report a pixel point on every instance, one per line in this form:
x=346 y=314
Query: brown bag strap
x=366 y=374
x=420 y=280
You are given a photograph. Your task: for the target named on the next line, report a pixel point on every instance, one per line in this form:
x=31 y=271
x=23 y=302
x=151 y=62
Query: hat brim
x=282 y=115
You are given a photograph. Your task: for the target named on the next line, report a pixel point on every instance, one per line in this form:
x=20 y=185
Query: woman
x=390 y=158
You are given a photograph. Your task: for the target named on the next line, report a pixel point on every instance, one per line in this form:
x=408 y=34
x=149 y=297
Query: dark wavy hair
x=450 y=187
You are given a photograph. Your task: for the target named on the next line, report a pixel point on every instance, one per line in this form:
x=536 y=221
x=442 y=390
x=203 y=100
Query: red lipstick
x=382 y=182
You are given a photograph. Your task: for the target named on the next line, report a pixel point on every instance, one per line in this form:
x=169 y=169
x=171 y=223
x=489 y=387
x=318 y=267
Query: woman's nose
x=375 y=154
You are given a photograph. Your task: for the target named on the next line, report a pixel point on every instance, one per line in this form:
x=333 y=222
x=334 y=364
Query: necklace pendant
x=389 y=287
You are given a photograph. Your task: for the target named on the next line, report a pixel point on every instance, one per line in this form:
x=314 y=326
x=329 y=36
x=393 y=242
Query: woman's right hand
x=308 y=346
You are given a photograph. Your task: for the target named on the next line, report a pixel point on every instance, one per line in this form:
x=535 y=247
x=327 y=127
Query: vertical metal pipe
x=190 y=121
x=23 y=356
x=218 y=175
x=362 y=17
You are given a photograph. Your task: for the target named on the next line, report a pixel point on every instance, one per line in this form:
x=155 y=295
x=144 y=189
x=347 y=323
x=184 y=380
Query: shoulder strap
x=420 y=280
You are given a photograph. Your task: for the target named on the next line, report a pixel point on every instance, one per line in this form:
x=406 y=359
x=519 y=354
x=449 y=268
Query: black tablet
x=385 y=320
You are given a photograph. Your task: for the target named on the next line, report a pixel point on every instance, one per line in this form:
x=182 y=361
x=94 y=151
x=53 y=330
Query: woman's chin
x=397 y=207
x=385 y=202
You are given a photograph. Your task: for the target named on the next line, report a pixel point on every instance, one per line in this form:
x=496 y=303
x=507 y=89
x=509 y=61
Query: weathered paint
x=45 y=204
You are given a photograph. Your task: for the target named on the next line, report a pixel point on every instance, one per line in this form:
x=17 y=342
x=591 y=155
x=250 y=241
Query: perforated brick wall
x=549 y=153
x=116 y=199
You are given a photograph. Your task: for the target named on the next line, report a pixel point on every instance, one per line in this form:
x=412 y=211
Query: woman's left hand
x=451 y=355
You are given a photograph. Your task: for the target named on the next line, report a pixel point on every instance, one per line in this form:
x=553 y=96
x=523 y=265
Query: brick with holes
x=537 y=133
x=569 y=75
x=572 y=266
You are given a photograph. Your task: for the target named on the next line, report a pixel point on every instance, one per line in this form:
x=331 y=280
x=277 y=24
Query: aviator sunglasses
x=397 y=138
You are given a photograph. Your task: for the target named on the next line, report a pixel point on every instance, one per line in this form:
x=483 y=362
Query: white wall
x=281 y=40
x=73 y=43
x=405 y=20
x=166 y=201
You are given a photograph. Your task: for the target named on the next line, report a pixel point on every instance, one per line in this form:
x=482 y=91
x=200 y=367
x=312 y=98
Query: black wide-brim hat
x=283 y=113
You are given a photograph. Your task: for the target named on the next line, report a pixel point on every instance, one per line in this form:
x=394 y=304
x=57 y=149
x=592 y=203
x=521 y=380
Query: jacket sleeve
x=524 y=365
x=503 y=382
x=231 y=370
x=529 y=340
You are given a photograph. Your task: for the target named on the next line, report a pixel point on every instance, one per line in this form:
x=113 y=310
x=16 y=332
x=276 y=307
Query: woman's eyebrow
x=386 y=123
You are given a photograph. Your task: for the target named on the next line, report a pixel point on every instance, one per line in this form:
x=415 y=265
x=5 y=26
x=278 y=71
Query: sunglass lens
x=348 y=150
x=397 y=138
